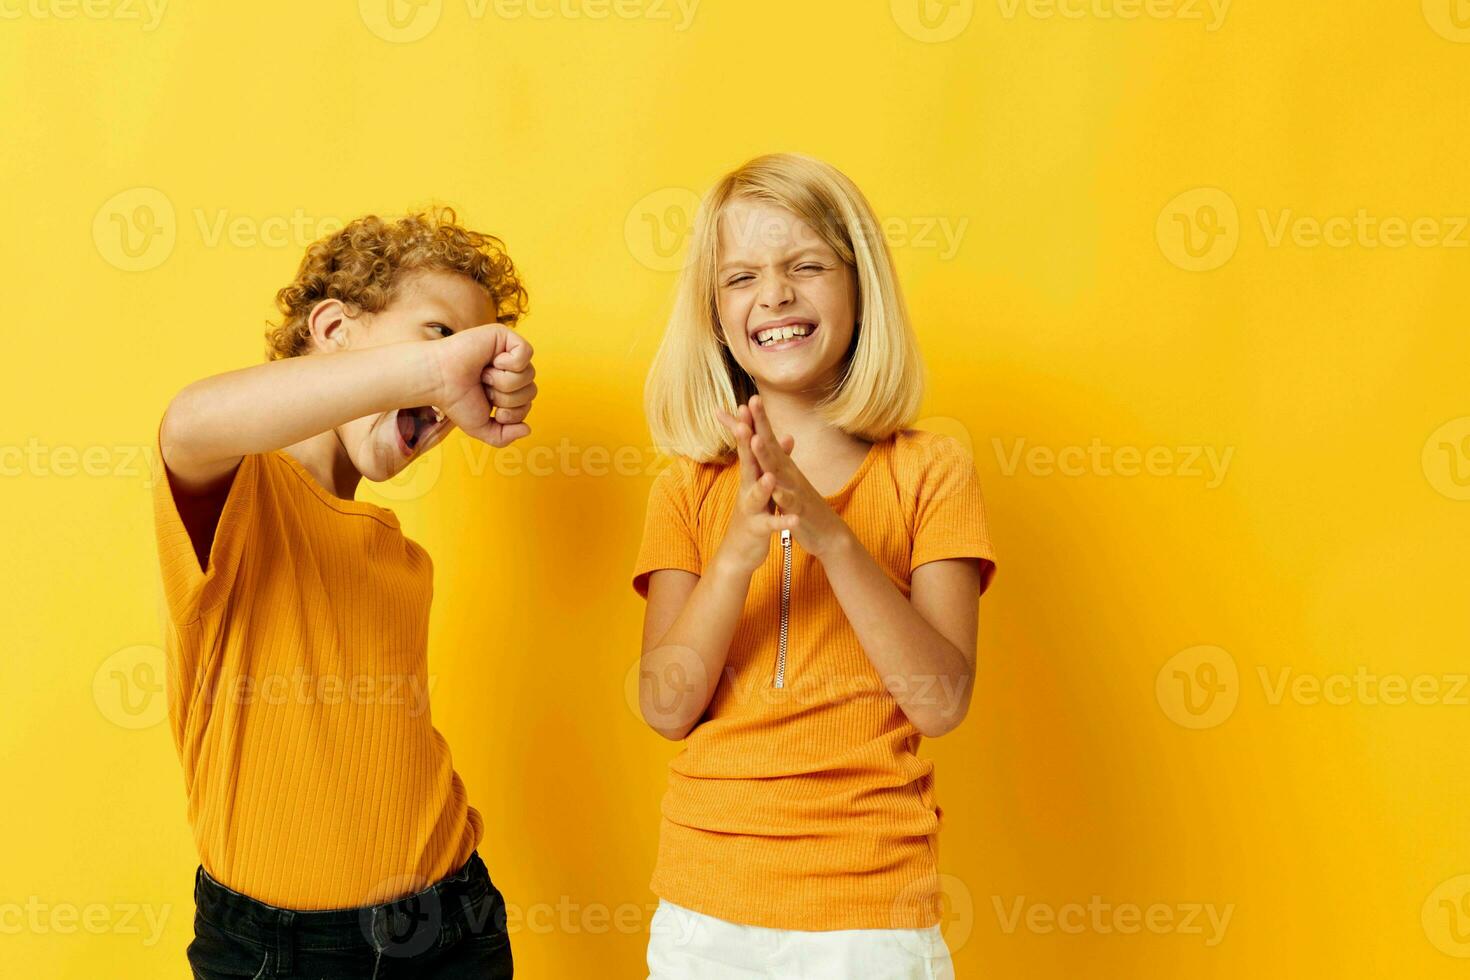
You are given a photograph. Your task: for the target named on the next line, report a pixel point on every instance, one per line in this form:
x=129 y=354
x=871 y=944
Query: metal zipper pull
x=785 y=608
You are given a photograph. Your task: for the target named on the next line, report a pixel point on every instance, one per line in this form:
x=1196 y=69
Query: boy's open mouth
x=415 y=425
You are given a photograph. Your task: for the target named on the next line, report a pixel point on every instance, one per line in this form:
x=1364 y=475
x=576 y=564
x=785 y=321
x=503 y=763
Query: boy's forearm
x=274 y=405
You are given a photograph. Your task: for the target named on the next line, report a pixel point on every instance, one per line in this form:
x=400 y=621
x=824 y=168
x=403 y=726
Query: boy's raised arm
x=212 y=423
x=215 y=421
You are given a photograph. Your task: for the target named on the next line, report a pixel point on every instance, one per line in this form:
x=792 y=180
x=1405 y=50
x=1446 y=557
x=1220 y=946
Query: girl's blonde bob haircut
x=694 y=375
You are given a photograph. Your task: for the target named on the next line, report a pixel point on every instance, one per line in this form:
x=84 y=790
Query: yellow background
x=1071 y=314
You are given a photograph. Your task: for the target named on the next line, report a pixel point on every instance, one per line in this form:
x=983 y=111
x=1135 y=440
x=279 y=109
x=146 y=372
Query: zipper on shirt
x=785 y=609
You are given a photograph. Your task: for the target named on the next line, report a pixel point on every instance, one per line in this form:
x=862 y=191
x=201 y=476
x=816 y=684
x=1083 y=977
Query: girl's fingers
x=748 y=470
x=777 y=523
x=776 y=451
x=759 y=494
x=772 y=462
x=762 y=420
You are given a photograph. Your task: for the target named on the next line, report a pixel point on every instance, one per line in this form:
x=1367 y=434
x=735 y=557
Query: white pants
x=686 y=945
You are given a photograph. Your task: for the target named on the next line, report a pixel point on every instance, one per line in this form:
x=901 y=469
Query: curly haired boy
x=334 y=836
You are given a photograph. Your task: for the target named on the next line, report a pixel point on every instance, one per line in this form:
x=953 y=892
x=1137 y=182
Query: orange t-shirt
x=298 y=696
x=806 y=806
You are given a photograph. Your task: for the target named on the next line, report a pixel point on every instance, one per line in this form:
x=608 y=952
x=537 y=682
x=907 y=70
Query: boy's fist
x=480 y=368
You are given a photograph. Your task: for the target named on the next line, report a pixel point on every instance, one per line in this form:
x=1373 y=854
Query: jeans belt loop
x=285 y=943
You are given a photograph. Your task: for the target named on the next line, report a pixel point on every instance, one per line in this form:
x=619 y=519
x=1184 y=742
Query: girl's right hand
x=747 y=540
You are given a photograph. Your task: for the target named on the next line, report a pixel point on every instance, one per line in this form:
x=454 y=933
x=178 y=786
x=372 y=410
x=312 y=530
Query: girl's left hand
x=819 y=531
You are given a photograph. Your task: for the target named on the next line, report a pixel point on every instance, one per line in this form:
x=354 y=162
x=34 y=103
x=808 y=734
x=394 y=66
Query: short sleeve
x=188 y=589
x=949 y=510
x=669 y=527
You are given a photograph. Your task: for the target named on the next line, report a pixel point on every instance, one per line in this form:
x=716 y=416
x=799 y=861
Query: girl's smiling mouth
x=783 y=334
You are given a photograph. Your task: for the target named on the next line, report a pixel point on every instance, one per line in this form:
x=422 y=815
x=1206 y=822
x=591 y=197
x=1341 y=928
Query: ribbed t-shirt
x=299 y=698
x=807 y=806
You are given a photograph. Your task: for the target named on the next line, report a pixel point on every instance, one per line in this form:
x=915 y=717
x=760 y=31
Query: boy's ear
x=328 y=323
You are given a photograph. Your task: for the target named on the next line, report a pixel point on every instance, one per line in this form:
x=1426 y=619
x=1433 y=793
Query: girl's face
x=426 y=306
x=787 y=303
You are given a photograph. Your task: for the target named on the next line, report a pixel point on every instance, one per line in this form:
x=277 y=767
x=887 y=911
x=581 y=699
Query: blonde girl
x=812 y=571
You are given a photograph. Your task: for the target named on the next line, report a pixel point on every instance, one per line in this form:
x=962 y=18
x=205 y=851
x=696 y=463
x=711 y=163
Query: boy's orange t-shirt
x=299 y=697
x=807 y=806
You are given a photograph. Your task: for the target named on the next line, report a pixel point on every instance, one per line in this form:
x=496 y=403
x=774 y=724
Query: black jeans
x=451 y=930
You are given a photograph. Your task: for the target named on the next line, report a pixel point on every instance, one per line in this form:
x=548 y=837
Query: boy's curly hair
x=364 y=263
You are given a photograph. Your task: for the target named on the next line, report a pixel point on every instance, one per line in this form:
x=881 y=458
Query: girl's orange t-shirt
x=299 y=697
x=806 y=806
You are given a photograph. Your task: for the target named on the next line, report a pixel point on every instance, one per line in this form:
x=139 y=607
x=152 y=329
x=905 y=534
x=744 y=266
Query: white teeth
x=777 y=334
x=438 y=415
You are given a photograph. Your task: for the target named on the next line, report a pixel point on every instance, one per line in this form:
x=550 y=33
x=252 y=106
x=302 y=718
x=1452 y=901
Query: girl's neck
x=326 y=459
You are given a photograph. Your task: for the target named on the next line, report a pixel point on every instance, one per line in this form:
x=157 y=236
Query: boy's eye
x=444 y=331
x=809 y=267
x=737 y=280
